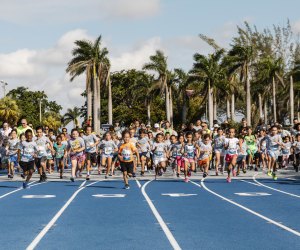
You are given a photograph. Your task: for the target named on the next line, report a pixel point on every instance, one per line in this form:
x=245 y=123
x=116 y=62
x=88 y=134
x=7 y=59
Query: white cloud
x=296 y=27
x=58 y=11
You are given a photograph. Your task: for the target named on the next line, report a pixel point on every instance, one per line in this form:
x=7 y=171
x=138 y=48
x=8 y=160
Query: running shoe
x=9 y=176
x=228 y=179
x=60 y=177
x=25 y=185
x=110 y=175
x=217 y=174
x=23 y=176
x=269 y=173
x=87 y=178
x=133 y=175
x=41 y=179
x=177 y=174
x=189 y=173
x=127 y=186
x=106 y=177
x=274 y=176
x=186 y=180
x=256 y=169
x=233 y=172
x=142 y=173
x=204 y=175
x=72 y=179
x=244 y=171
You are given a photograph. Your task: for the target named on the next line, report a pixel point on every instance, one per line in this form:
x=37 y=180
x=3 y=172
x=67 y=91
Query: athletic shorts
x=107 y=156
x=58 y=161
x=144 y=154
x=39 y=161
x=156 y=161
x=241 y=158
x=251 y=151
x=91 y=157
x=78 y=158
x=273 y=154
x=229 y=158
x=219 y=151
x=179 y=161
x=126 y=166
x=13 y=159
x=26 y=166
x=203 y=162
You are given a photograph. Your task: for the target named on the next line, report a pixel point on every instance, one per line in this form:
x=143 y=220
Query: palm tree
x=52 y=120
x=208 y=70
x=72 y=115
x=240 y=59
x=9 y=110
x=91 y=59
x=158 y=64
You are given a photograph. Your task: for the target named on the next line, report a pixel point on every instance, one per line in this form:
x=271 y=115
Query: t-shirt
x=59 y=150
x=126 y=150
x=43 y=146
x=205 y=150
x=89 y=140
x=22 y=130
x=242 y=150
x=250 y=141
x=262 y=143
x=74 y=144
x=159 y=149
x=286 y=149
x=219 y=142
x=27 y=150
x=143 y=145
x=189 y=150
x=108 y=147
x=296 y=146
x=175 y=149
x=13 y=146
x=273 y=142
x=232 y=145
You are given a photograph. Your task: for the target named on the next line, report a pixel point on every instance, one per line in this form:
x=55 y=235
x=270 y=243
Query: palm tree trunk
x=184 y=108
x=110 y=113
x=99 y=105
x=260 y=106
x=89 y=102
x=215 y=106
x=265 y=111
x=248 y=99
x=232 y=107
x=149 y=111
x=292 y=99
x=95 y=105
x=227 y=108
x=298 y=108
x=171 y=107
x=167 y=102
x=274 y=100
x=210 y=105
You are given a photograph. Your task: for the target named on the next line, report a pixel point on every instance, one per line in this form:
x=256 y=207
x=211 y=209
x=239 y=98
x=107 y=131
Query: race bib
x=126 y=155
x=108 y=150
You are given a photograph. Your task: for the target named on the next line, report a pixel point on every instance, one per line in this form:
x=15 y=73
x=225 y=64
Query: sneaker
x=217 y=174
x=133 y=175
x=60 y=177
x=186 y=180
x=110 y=175
x=177 y=175
x=87 y=178
x=189 y=173
x=228 y=179
x=72 y=179
x=25 y=185
x=127 y=186
x=269 y=173
x=41 y=179
x=244 y=171
x=297 y=168
x=23 y=176
x=142 y=173
x=233 y=173
x=256 y=169
x=204 y=175
x=274 y=176
x=105 y=177
x=9 y=176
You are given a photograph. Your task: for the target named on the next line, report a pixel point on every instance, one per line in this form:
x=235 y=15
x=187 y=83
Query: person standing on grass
x=76 y=147
x=126 y=152
x=26 y=155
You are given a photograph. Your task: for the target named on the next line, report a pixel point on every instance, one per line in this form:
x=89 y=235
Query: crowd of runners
x=195 y=148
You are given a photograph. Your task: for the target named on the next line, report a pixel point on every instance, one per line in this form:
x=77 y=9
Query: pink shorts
x=229 y=158
x=78 y=158
x=179 y=161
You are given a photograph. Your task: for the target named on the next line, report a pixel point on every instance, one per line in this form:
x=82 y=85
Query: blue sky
x=37 y=35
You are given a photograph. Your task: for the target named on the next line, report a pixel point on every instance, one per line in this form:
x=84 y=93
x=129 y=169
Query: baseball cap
x=156 y=125
x=216 y=126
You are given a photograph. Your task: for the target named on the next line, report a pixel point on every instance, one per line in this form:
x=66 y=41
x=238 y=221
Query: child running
x=143 y=148
x=27 y=152
x=12 y=151
x=204 y=152
x=60 y=154
x=190 y=153
x=126 y=152
x=219 y=142
x=160 y=155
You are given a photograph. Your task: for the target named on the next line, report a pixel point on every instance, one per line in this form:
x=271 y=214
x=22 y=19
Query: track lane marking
x=44 y=231
x=160 y=220
x=274 y=189
x=31 y=184
x=278 y=224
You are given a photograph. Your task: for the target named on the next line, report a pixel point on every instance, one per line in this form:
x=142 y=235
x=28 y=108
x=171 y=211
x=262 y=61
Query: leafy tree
x=9 y=111
x=72 y=115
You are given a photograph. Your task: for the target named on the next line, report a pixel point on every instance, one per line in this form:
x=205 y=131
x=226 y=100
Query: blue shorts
x=14 y=159
x=273 y=154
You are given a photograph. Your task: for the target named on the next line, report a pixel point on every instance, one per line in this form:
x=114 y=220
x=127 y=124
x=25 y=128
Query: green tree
x=52 y=120
x=72 y=115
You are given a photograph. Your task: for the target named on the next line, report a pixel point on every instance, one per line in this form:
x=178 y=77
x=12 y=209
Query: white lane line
x=19 y=189
x=250 y=183
x=39 y=237
x=82 y=184
x=278 y=224
x=275 y=189
x=138 y=183
x=161 y=222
